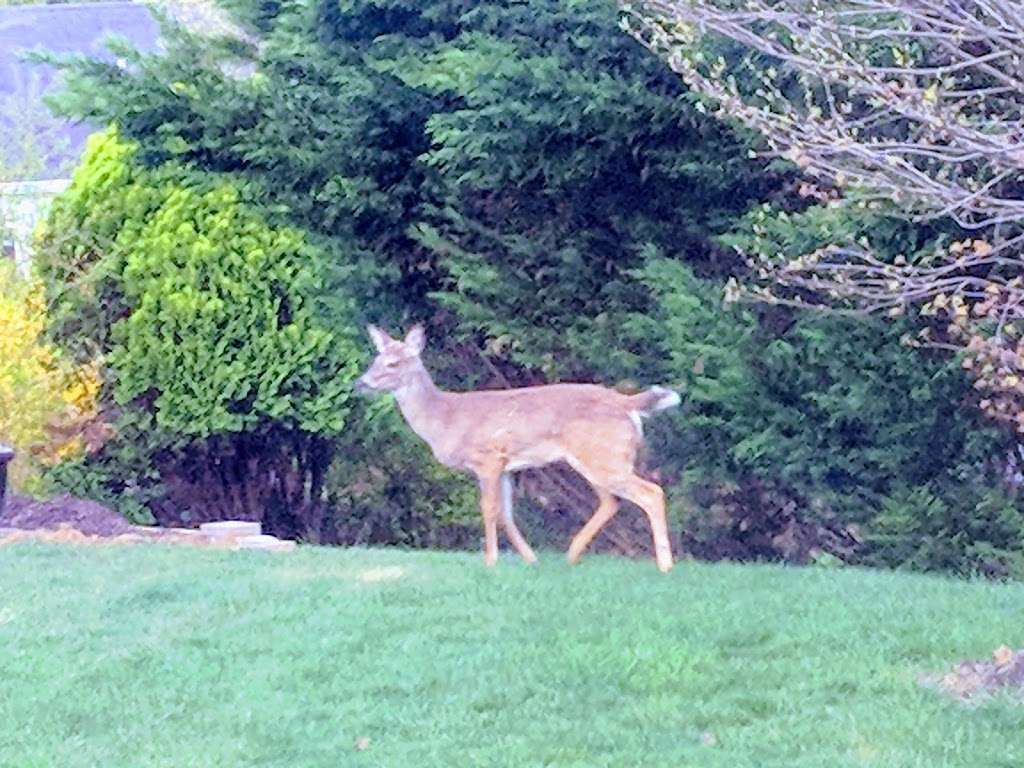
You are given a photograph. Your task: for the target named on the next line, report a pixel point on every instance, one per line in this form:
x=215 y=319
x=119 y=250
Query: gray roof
x=73 y=28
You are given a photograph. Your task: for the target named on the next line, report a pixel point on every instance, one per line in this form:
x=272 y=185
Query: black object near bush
x=6 y=455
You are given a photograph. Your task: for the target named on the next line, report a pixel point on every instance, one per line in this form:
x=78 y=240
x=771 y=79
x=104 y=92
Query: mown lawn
x=161 y=656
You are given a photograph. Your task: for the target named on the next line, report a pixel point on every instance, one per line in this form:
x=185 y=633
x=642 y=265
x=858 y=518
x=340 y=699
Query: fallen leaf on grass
x=1003 y=655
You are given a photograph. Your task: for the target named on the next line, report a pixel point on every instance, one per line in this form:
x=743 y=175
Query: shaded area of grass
x=157 y=656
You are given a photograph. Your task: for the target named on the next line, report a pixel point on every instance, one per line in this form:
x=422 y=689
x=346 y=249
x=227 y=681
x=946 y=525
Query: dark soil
x=89 y=517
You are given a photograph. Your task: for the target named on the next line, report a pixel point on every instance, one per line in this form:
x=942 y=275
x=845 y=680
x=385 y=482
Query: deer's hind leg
x=605 y=458
x=651 y=499
x=607 y=506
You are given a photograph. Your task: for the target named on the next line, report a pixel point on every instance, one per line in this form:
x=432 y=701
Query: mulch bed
x=69 y=519
x=87 y=517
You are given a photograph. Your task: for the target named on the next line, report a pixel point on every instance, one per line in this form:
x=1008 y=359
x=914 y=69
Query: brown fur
x=592 y=428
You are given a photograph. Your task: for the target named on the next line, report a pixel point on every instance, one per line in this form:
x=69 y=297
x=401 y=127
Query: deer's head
x=397 y=362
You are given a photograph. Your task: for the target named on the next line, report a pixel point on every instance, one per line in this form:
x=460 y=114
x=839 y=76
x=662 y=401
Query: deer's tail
x=655 y=399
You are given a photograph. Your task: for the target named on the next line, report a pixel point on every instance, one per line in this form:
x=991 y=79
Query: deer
x=493 y=433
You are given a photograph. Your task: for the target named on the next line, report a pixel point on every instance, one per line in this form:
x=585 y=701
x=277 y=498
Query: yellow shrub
x=41 y=396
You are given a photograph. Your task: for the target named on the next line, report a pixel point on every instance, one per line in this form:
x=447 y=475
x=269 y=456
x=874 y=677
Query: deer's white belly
x=535 y=456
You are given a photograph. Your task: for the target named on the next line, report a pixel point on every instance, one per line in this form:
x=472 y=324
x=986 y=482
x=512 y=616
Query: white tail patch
x=663 y=398
x=667 y=398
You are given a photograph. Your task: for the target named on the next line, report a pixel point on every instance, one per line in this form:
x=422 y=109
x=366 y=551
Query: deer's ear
x=380 y=338
x=416 y=339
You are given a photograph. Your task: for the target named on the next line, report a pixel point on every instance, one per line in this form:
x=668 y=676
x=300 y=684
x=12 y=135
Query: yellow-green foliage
x=38 y=389
x=227 y=387
x=203 y=311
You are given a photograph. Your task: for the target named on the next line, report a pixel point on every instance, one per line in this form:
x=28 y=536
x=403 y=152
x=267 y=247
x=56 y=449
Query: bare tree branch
x=912 y=107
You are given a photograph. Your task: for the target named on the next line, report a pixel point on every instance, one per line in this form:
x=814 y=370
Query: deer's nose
x=362 y=387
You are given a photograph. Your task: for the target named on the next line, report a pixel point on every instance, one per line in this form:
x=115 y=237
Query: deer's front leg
x=509 y=521
x=490 y=504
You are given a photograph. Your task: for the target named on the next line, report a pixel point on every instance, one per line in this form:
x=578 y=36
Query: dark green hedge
x=548 y=198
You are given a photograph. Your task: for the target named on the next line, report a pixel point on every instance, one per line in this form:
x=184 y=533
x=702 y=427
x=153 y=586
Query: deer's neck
x=424 y=408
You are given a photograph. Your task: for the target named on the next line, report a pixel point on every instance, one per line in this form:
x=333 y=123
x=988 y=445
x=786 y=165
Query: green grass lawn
x=162 y=656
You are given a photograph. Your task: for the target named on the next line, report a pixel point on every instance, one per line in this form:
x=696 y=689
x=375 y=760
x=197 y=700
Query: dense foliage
x=904 y=108
x=203 y=314
x=544 y=194
x=806 y=435
x=509 y=160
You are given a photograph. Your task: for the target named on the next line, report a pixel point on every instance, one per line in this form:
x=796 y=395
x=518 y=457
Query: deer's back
x=559 y=401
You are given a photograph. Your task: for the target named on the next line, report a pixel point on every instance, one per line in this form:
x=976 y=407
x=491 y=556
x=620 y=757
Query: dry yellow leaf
x=982 y=248
x=1003 y=655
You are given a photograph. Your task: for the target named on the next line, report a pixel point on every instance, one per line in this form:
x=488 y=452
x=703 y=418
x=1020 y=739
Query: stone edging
x=232 y=535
